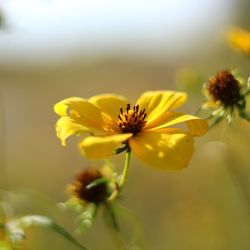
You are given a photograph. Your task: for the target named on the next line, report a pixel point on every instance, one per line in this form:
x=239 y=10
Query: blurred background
x=54 y=49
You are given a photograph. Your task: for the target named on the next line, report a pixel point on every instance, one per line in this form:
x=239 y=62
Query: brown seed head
x=224 y=87
x=132 y=120
x=96 y=194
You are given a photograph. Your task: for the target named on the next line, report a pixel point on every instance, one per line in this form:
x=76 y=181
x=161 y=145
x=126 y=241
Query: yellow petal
x=67 y=126
x=90 y=115
x=196 y=125
x=167 y=149
x=109 y=104
x=156 y=103
x=240 y=39
x=102 y=147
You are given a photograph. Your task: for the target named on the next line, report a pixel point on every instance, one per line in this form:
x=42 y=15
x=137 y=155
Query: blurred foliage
x=14 y=227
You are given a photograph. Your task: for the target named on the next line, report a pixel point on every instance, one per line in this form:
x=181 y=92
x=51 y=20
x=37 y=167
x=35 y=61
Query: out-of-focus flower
x=90 y=189
x=225 y=93
x=145 y=128
x=239 y=39
x=86 y=189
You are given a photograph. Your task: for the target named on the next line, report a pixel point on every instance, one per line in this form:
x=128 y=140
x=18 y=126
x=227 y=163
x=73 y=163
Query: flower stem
x=123 y=177
x=125 y=169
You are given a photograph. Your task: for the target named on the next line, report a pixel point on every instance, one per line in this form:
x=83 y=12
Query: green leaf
x=112 y=216
x=245 y=115
x=67 y=235
x=216 y=120
x=97 y=182
x=122 y=149
x=37 y=220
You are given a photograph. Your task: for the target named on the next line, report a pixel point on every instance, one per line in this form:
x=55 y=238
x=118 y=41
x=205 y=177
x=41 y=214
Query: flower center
x=132 y=120
x=79 y=189
x=225 y=88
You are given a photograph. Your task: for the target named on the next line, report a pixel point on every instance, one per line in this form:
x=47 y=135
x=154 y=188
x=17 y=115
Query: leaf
x=245 y=115
x=136 y=228
x=112 y=216
x=122 y=149
x=97 y=182
x=37 y=220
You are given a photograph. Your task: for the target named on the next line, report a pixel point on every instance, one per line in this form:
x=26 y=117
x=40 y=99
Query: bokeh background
x=53 y=49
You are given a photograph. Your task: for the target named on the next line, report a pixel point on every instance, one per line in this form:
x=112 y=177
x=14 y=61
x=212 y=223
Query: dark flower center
x=132 y=120
x=96 y=194
x=225 y=88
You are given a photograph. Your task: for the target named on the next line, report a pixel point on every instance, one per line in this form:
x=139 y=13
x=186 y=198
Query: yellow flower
x=145 y=128
x=239 y=39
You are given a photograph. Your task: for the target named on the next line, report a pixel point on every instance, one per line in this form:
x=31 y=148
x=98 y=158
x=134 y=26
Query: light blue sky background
x=50 y=30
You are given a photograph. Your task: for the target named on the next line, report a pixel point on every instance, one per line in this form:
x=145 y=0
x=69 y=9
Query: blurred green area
x=206 y=206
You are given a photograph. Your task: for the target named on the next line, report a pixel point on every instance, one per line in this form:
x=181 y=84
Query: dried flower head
x=80 y=187
x=225 y=94
x=225 y=88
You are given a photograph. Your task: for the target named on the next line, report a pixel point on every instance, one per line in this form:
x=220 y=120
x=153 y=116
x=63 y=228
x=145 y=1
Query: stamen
x=128 y=107
x=137 y=108
x=133 y=120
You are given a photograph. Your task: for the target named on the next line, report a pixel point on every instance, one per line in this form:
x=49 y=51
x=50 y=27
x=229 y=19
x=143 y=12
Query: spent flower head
x=90 y=189
x=225 y=93
x=112 y=125
x=90 y=185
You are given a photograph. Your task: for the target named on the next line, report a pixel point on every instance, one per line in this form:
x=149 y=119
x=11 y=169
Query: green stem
x=123 y=176
x=125 y=169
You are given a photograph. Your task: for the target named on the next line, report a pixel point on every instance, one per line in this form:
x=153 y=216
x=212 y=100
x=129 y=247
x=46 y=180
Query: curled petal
x=103 y=146
x=196 y=125
x=89 y=114
x=67 y=126
x=166 y=149
x=156 y=103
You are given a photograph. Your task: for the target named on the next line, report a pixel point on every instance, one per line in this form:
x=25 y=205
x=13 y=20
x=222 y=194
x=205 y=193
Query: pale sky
x=54 y=29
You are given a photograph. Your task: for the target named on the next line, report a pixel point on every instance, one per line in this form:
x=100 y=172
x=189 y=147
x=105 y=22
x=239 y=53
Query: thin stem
x=125 y=169
x=197 y=111
x=123 y=177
